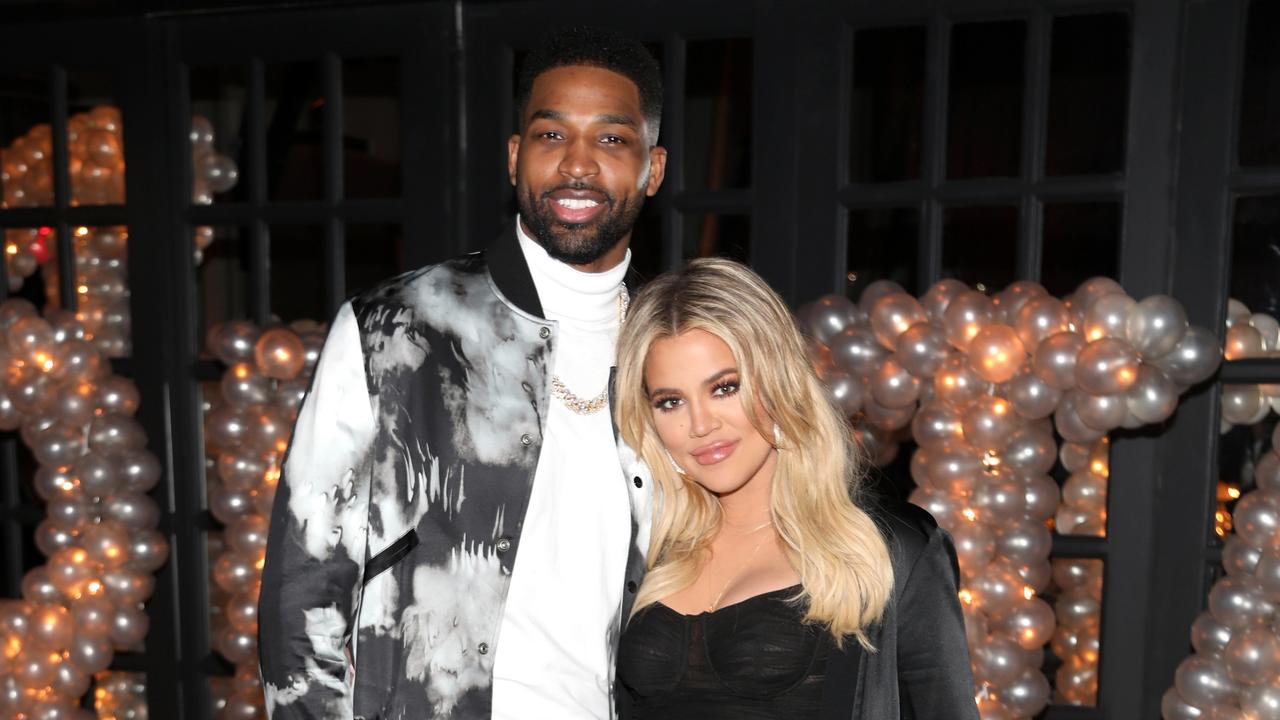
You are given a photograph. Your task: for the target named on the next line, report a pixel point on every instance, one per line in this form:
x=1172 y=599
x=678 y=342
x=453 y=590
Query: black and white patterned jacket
x=399 y=512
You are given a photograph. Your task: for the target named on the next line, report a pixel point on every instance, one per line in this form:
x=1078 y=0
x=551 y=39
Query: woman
x=771 y=592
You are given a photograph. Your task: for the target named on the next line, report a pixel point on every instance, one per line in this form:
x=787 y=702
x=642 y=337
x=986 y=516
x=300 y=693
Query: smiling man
x=457 y=532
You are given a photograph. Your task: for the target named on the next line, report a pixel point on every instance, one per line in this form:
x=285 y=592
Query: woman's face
x=693 y=383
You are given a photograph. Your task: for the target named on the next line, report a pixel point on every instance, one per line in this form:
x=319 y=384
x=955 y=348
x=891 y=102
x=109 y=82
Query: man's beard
x=578 y=243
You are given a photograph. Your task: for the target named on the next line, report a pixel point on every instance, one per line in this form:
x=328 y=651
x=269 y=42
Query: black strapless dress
x=753 y=660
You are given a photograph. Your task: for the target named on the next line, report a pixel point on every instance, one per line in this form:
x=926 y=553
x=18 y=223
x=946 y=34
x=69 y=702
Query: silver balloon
x=1100 y=412
x=1243 y=341
x=892 y=314
x=1078 y=609
x=96 y=474
x=75 y=403
x=139 y=470
x=1085 y=491
x=115 y=433
x=968 y=313
x=1193 y=359
x=876 y=290
x=1268 y=327
x=922 y=349
x=148 y=550
x=1092 y=289
x=233 y=341
x=823 y=318
x=59 y=445
x=939 y=296
x=1010 y=301
x=1000 y=501
x=107 y=543
x=132 y=510
x=128 y=586
x=975 y=545
x=1153 y=397
x=1257 y=519
x=936 y=424
x=1267 y=573
x=1261 y=701
x=129 y=627
x=1031 y=396
x=93 y=615
x=1069 y=425
x=1055 y=359
x=846 y=390
x=996 y=353
x=1173 y=707
x=118 y=395
x=1203 y=682
x=857 y=352
x=1253 y=655
x=1026 y=695
x=891 y=385
x=957 y=383
x=1237 y=601
x=1107 y=316
x=1031 y=451
x=1022 y=542
x=1208 y=636
x=1266 y=473
x=1243 y=404
x=37 y=587
x=1239 y=557
x=887 y=418
x=998 y=661
x=1039 y=318
x=1041 y=497
x=52 y=535
x=943 y=506
x=90 y=654
x=1106 y=366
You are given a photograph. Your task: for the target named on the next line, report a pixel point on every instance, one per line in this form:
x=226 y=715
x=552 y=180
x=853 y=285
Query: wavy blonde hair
x=838 y=550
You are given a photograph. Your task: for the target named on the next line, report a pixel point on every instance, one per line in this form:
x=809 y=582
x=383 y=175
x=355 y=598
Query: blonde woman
x=774 y=590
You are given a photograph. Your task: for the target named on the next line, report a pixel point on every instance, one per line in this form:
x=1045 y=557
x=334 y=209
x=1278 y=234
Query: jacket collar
x=510 y=272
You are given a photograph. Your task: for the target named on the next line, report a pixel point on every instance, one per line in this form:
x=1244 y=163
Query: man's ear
x=657 y=169
x=513 y=156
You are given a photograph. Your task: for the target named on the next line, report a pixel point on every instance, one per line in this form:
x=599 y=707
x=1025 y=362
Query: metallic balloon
x=243 y=385
x=936 y=424
x=233 y=341
x=996 y=353
x=59 y=445
x=1261 y=701
x=148 y=550
x=1173 y=707
x=1100 y=412
x=822 y=319
x=127 y=585
x=1031 y=451
x=75 y=403
x=37 y=587
x=1153 y=397
x=1055 y=359
x=243 y=471
x=989 y=422
x=139 y=470
x=52 y=627
x=1243 y=341
x=1266 y=473
x=887 y=418
x=118 y=395
x=968 y=313
x=279 y=353
x=1257 y=519
x=939 y=296
x=133 y=510
x=957 y=383
x=1039 y=318
x=1041 y=496
x=107 y=543
x=1243 y=404
x=52 y=535
x=1193 y=359
x=116 y=433
x=1203 y=682
x=1239 y=557
x=90 y=654
x=857 y=352
x=236 y=645
x=997 y=588
x=93 y=615
x=242 y=612
x=96 y=475
x=1023 y=542
x=997 y=661
x=891 y=385
x=892 y=314
x=1028 y=694
x=975 y=545
x=70 y=681
x=998 y=499
x=1106 y=366
x=1268 y=327
x=876 y=290
x=1237 y=601
x=129 y=627
x=1031 y=396
x=1010 y=301
x=943 y=506
x=81 y=360
x=1093 y=288
x=1078 y=609
x=1069 y=425
x=922 y=349
x=955 y=471
x=1253 y=655
x=1030 y=623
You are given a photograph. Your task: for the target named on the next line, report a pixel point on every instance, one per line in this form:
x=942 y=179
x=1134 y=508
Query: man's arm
x=316 y=544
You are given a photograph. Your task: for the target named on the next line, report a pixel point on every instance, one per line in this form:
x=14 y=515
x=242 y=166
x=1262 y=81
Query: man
x=457 y=532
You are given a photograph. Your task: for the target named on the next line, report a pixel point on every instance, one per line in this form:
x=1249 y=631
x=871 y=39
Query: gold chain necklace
x=579 y=405
x=742 y=566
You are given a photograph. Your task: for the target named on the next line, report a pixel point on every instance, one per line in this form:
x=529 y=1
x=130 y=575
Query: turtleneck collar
x=567 y=293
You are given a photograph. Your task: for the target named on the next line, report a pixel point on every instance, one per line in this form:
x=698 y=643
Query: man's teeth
x=576 y=204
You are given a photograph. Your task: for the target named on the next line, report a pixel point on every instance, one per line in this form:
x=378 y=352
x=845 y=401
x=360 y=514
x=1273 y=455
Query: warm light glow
x=283 y=354
x=94 y=587
x=1125 y=374
x=1233 y=492
x=45 y=361
x=990 y=462
x=82 y=289
x=1095 y=333
x=82 y=231
x=969 y=514
x=241 y=371
x=1000 y=408
x=11 y=249
x=966 y=597
x=1099 y=468
x=1028 y=592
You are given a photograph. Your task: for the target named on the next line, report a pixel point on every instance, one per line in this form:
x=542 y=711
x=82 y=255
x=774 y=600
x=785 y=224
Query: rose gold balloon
x=996 y=353
x=279 y=353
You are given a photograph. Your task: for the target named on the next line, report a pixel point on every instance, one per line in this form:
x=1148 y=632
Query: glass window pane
x=646 y=241
x=717 y=114
x=293 y=112
x=218 y=101
x=297 y=272
x=1260 y=90
x=886 y=110
x=717 y=235
x=95 y=139
x=984 y=99
x=979 y=245
x=222 y=279
x=371 y=127
x=1255 y=254
x=1088 y=94
x=373 y=254
x=1081 y=240
x=883 y=245
x=25 y=150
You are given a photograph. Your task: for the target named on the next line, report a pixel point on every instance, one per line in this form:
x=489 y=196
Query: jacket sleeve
x=934 y=678
x=311 y=579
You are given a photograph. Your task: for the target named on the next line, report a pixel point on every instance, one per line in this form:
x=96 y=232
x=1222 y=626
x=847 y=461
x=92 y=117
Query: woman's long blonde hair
x=835 y=546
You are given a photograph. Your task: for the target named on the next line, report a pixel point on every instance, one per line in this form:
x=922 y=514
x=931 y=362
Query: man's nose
x=579 y=160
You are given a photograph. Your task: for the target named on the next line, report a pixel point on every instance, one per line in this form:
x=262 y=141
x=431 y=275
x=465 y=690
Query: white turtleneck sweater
x=553 y=657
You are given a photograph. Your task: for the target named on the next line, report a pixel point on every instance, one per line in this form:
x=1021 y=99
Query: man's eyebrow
x=605 y=119
x=546 y=114
x=618 y=120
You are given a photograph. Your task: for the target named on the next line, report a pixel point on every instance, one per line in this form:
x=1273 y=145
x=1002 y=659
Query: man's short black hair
x=598 y=48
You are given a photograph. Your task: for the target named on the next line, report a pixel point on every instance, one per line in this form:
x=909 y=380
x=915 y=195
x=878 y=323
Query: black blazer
x=920 y=669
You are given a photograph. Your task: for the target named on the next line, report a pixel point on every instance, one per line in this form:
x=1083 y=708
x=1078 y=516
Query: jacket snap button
x=483 y=648
x=544 y=333
x=631 y=586
x=638 y=481
x=504 y=544
x=526 y=439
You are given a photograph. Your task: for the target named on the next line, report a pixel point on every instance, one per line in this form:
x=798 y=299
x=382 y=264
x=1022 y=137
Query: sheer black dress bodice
x=753 y=660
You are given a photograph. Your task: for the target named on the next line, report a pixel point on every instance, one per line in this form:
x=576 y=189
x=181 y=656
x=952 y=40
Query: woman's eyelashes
x=722 y=389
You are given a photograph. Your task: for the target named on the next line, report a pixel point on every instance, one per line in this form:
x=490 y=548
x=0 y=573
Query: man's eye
x=550 y=135
x=613 y=140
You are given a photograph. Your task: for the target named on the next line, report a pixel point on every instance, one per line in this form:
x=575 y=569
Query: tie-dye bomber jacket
x=398 y=515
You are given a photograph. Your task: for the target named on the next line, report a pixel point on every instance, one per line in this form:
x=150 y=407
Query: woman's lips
x=715 y=452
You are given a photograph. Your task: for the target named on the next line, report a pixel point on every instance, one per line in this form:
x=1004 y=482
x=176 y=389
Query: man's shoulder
x=409 y=287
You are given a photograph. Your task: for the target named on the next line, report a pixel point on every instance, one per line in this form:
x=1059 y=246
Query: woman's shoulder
x=909 y=531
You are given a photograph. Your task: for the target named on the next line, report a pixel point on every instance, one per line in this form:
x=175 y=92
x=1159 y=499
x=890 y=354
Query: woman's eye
x=666 y=404
x=725 y=389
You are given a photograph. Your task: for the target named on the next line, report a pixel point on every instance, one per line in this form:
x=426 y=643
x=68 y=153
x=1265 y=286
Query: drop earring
x=676 y=466
x=777 y=436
